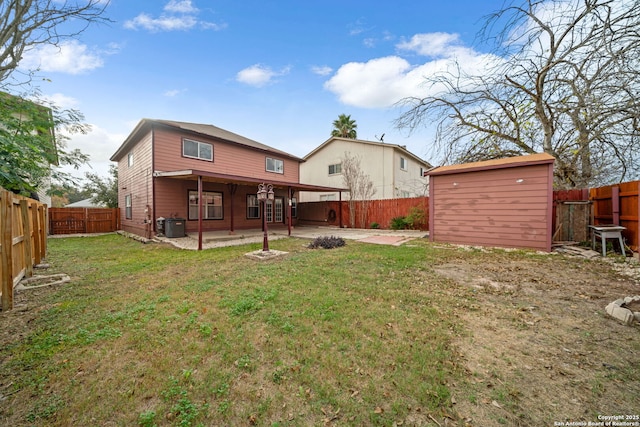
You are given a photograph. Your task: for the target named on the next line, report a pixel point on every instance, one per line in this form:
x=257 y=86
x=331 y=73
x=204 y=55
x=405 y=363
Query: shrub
x=416 y=218
x=374 y=225
x=327 y=242
x=399 y=223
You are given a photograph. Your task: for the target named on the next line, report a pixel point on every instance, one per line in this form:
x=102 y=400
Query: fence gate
x=83 y=220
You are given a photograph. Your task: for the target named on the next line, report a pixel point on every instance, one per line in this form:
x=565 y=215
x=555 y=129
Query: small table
x=607 y=232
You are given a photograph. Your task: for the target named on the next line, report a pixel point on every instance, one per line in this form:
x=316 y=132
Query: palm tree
x=344 y=127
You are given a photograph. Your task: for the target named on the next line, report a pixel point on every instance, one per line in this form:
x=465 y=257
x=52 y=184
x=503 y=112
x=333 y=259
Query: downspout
x=153 y=183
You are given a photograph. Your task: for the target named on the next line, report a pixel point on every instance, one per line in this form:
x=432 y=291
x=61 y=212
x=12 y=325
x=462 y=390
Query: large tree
x=344 y=127
x=28 y=24
x=566 y=81
x=360 y=187
x=32 y=129
x=104 y=190
x=32 y=143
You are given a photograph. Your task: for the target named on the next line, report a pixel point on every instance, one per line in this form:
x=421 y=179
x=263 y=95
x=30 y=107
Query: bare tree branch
x=569 y=85
x=26 y=24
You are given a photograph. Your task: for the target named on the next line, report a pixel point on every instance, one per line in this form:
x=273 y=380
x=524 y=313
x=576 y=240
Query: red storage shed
x=504 y=202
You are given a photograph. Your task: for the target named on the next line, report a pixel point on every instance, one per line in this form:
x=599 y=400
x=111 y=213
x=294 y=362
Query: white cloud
x=259 y=75
x=164 y=23
x=100 y=145
x=173 y=92
x=321 y=70
x=70 y=57
x=432 y=44
x=382 y=82
x=180 y=6
x=62 y=101
x=181 y=15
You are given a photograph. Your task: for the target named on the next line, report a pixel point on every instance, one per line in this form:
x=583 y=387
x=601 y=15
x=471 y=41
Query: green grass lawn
x=152 y=335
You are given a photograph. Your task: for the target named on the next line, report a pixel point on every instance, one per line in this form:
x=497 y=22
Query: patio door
x=275 y=210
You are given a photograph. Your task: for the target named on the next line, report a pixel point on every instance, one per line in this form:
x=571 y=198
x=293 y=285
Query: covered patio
x=285 y=194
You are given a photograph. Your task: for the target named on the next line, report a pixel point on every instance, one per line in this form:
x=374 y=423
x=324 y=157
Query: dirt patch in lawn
x=540 y=348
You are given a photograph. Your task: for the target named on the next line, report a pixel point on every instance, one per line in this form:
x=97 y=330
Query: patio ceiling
x=192 y=175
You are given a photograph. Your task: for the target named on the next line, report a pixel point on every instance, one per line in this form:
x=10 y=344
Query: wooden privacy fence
x=618 y=204
x=366 y=212
x=571 y=215
x=23 y=241
x=83 y=220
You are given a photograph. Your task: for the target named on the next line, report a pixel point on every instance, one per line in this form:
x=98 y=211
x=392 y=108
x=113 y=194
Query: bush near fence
x=23 y=241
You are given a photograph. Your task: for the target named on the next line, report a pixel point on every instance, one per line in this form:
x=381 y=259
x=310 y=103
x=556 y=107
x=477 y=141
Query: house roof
x=510 y=162
x=399 y=148
x=190 y=174
x=85 y=203
x=195 y=128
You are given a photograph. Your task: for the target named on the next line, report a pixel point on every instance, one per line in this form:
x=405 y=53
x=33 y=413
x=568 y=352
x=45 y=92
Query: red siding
x=508 y=207
x=231 y=159
x=172 y=202
x=136 y=181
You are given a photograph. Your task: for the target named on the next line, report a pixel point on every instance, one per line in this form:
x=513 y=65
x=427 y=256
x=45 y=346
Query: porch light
x=265 y=192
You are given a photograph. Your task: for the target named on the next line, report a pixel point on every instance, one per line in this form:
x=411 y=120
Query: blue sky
x=278 y=71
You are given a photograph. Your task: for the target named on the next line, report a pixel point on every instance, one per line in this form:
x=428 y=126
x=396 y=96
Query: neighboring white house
x=394 y=171
x=86 y=203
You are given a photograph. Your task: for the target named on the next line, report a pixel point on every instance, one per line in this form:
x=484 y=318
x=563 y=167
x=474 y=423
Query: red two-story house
x=169 y=169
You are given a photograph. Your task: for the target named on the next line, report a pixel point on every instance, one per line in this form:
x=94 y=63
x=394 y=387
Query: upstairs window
x=335 y=169
x=275 y=165
x=197 y=150
x=130 y=159
x=403 y=163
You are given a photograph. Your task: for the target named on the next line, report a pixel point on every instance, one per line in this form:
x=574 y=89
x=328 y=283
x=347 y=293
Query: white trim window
x=130 y=159
x=253 y=206
x=128 y=210
x=197 y=150
x=212 y=205
x=403 y=163
x=335 y=169
x=294 y=207
x=274 y=165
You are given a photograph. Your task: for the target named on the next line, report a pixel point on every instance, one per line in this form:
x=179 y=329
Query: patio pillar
x=290 y=192
x=232 y=191
x=200 y=212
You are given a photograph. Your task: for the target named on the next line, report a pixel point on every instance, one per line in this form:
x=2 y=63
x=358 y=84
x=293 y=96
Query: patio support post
x=232 y=191
x=200 y=212
x=289 y=218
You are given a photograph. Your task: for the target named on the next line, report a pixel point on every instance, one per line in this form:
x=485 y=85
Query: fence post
x=44 y=232
x=6 y=241
x=26 y=236
x=35 y=227
x=615 y=204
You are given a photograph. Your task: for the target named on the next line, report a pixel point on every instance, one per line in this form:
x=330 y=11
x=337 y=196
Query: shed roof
x=529 y=160
x=197 y=128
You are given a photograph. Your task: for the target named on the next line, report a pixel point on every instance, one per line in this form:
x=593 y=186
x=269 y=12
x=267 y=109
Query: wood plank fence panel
x=377 y=211
x=571 y=215
x=22 y=241
x=83 y=220
x=618 y=204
